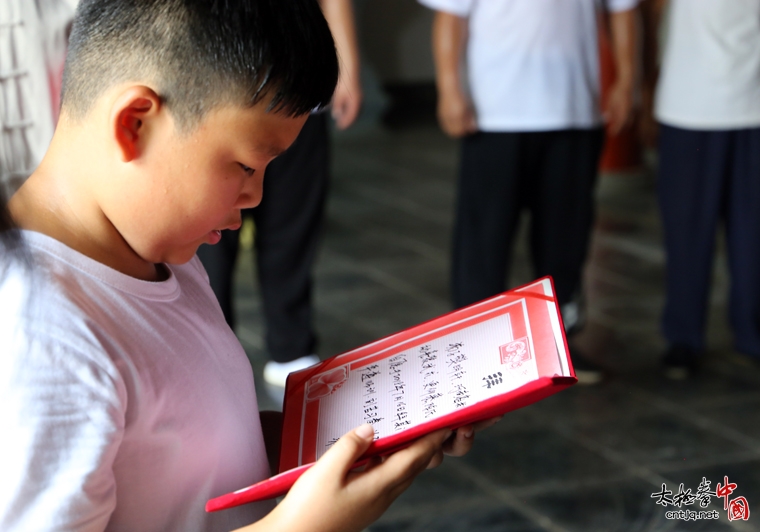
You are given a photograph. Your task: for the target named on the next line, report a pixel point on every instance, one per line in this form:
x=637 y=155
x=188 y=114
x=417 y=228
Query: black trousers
x=550 y=173
x=708 y=177
x=288 y=228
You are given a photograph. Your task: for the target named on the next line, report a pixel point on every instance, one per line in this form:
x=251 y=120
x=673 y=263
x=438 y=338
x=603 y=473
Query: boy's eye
x=247 y=169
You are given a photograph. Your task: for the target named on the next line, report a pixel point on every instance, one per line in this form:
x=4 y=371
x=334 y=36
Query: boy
x=127 y=401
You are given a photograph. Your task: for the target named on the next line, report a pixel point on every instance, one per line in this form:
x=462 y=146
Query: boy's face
x=193 y=185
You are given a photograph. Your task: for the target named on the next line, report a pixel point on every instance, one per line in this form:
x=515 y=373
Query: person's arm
x=455 y=112
x=348 y=94
x=651 y=11
x=332 y=497
x=619 y=106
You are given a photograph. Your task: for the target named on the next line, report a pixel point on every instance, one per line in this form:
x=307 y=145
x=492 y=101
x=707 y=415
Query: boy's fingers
x=347 y=450
x=407 y=463
x=436 y=460
x=460 y=443
x=482 y=425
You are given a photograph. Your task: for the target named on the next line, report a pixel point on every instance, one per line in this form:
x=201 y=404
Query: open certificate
x=469 y=365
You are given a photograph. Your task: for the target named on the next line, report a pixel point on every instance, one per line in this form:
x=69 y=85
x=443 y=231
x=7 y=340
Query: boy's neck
x=57 y=201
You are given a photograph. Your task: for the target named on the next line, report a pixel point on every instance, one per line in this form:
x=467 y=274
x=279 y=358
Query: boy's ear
x=132 y=112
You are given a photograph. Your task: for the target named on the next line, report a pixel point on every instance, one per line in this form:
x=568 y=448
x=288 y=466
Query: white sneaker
x=276 y=373
x=573 y=316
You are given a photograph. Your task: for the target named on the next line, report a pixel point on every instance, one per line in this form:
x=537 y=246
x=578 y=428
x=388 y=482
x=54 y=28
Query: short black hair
x=202 y=53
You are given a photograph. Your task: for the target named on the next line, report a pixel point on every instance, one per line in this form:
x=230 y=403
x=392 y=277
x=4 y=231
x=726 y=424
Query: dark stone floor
x=587 y=459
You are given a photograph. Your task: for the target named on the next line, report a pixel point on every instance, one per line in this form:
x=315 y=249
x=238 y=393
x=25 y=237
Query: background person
x=532 y=132
x=707 y=105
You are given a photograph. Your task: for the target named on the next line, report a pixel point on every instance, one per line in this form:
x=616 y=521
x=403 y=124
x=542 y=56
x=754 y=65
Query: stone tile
x=706 y=388
x=590 y=405
x=521 y=459
x=745 y=474
x=660 y=439
x=618 y=506
x=437 y=488
x=742 y=416
x=493 y=518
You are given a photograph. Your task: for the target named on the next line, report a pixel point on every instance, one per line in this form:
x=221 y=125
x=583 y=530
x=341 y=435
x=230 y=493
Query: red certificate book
x=469 y=365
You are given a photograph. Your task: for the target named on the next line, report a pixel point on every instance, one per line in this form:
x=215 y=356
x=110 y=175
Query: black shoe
x=681 y=362
x=585 y=371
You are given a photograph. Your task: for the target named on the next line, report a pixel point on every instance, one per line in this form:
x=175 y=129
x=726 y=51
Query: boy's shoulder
x=44 y=313
x=54 y=295
x=61 y=309
x=65 y=297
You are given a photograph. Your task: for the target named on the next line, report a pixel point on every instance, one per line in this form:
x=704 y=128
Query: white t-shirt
x=710 y=75
x=126 y=404
x=533 y=65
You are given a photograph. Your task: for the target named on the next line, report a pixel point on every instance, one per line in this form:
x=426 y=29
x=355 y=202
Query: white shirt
x=533 y=65
x=710 y=74
x=32 y=52
x=126 y=404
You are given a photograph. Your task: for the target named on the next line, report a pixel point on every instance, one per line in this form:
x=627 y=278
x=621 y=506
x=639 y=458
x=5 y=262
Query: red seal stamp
x=326 y=383
x=515 y=352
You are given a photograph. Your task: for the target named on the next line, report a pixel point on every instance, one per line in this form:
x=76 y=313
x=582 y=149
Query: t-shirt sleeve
x=460 y=8
x=62 y=424
x=621 y=5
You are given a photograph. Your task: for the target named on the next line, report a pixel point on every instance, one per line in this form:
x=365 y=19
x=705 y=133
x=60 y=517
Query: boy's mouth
x=215 y=236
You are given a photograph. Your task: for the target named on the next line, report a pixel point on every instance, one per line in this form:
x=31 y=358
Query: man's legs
x=691 y=189
x=288 y=228
x=743 y=237
x=561 y=194
x=487 y=213
x=562 y=205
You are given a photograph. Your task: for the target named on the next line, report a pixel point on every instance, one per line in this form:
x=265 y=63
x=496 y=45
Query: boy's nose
x=250 y=195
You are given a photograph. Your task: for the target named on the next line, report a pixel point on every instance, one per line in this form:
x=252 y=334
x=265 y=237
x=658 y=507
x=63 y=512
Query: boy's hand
x=460 y=442
x=332 y=497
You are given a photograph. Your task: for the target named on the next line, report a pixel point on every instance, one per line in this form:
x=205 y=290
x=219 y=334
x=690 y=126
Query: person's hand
x=347 y=102
x=461 y=440
x=456 y=114
x=331 y=496
x=618 y=112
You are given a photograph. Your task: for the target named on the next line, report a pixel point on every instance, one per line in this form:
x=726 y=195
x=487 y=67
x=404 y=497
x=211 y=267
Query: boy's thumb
x=347 y=450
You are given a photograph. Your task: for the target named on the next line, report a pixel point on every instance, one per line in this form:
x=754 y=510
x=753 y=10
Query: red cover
x=469 y=365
